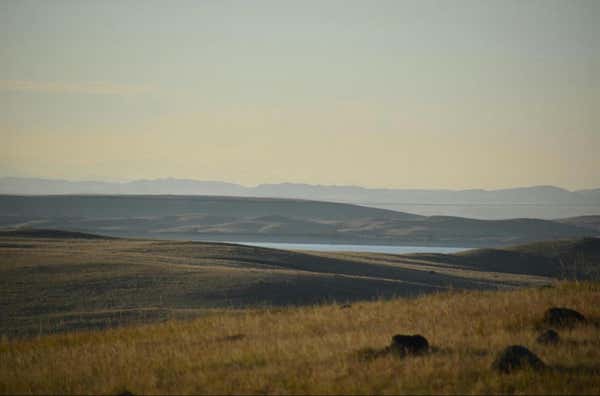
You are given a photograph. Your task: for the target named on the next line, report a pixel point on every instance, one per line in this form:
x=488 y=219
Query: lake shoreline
x=253 y=238
x=355 y=248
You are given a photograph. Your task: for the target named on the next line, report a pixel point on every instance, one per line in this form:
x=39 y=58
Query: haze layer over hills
x=544 y=202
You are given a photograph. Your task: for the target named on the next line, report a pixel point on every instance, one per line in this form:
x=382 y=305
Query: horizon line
x=129 y=181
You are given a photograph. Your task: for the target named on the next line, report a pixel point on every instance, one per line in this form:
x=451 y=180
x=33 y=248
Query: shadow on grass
x=580 y=369
x=577 y=343
x=593 y=322
x=233 y=337
x=369 y=353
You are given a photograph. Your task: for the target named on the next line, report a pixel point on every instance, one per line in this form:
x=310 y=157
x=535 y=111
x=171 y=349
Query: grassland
x=316 y=349
x=55 y=281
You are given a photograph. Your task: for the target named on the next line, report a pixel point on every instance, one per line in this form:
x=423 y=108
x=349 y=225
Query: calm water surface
x=324 y=247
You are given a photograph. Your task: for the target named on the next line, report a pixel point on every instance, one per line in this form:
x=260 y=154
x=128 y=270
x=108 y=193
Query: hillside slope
x=592 y=222
x=268 y=220
x=571 y=258
x=51 y=283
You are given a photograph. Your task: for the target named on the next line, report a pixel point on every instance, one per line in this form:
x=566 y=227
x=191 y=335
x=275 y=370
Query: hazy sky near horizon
x=430 y=94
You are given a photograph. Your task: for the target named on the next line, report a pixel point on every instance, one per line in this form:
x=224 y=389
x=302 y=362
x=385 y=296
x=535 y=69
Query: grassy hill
x=53 y=281
x=321 y=350
x=268 y=220
x=570 y=258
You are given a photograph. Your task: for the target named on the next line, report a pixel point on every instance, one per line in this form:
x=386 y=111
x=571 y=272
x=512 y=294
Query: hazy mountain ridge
x=533 y=194
x=545 y=202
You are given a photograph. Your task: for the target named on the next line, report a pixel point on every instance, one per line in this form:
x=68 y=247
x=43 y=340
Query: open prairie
x=323 y=349
x=299 y=197
x=53 y=281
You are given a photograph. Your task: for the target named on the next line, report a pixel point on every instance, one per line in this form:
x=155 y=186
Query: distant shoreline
x=252 y=238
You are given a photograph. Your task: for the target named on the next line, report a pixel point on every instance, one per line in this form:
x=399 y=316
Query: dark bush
x=516 y=357
x=409 y=344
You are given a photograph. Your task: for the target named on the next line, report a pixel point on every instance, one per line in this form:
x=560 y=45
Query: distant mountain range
x=546 y=202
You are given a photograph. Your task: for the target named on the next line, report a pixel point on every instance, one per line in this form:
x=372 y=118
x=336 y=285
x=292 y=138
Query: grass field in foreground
x=314 y=349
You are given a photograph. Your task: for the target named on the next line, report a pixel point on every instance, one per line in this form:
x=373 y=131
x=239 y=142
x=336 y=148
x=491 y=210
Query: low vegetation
x=321 y=349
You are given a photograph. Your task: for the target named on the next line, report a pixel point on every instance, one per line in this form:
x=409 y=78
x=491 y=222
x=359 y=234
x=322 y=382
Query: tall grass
x=314 y=350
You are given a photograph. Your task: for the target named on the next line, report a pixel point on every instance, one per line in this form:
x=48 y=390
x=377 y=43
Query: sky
x=395 y=94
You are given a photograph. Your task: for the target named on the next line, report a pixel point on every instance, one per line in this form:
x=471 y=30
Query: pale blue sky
x=452 y=94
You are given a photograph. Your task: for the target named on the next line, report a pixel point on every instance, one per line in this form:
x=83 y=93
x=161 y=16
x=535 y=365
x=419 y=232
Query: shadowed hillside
x=574 y=259
x=592 y=222
x=48 y=234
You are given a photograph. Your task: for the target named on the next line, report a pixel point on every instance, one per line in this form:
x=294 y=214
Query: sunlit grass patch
x=322 y=349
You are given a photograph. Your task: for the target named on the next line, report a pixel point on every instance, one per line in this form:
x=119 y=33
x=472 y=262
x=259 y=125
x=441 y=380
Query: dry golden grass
x=314 y=350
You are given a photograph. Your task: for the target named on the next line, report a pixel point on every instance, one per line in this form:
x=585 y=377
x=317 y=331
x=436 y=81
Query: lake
x=325 y=247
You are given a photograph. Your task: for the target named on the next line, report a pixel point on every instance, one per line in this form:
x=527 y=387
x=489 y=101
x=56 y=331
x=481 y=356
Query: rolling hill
x=63 y=281
x=269 y=220
x=591 y=222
